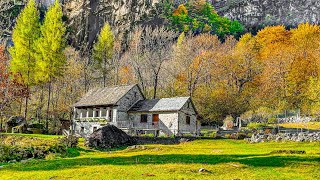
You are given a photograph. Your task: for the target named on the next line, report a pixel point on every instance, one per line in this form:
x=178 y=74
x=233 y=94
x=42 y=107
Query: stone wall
x=188 y=110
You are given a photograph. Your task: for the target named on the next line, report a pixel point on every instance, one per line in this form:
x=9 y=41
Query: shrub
x=267 y=131
x=70 y=141
x=17 y=148
x=272 y=120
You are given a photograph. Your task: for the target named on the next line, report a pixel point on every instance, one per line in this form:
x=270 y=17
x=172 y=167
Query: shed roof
x=164 y=104
x=103 y=96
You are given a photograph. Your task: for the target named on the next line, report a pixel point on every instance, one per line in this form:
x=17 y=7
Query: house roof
x=103 y=96
x=164 y=104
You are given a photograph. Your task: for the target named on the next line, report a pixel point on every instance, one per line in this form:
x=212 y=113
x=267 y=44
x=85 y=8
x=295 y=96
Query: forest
x=197 y=53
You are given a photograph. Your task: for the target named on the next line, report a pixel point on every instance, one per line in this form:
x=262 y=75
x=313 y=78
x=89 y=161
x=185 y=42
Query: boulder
x=109 y=136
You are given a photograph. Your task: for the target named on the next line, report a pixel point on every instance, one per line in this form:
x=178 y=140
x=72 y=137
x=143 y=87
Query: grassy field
x=309 y=125
x=224 y=159
x=42 y=136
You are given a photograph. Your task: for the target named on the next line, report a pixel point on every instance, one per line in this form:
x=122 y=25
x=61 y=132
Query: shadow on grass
x=250 y=160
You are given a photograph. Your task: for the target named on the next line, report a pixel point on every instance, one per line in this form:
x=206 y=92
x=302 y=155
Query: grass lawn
x=309 y=125
x=224 y=159
x=43 y=136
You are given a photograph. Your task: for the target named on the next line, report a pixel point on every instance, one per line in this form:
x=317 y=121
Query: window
x=188 y=120
x=82 y=129
x=110 y=114
x=144 y=118
x=97 y=114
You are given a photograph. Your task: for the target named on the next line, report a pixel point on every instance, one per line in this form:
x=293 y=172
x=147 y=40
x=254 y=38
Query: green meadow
x=221 y=159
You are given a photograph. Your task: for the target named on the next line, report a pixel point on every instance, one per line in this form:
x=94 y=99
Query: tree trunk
x=48 y=107
x=26 y=107
x=155 y=87
x=104 y=79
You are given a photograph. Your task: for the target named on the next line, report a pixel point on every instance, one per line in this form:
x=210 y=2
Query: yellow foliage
x=181 y=10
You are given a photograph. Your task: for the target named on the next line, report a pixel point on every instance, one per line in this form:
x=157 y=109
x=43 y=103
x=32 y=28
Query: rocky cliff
x=85 y=17
x=254 y=13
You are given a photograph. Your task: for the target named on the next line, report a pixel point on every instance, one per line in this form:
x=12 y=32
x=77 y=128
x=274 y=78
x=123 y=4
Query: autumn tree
x=10 y=88
x=304 y=66
x=51 y=59
x=135 y=58
x=25 y=34
x=103 y=52
x=200 y=17
x=157 y=48
x=275 y=57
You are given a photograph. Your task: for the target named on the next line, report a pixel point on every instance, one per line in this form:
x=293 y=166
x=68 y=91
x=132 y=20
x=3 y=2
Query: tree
x=51 y=59
x=25 y=34
x=103 y=52
x=10 y=89
x=135 y=58
x=200 y=17
x=275 y=57
x=304 y=65
x=157 y=48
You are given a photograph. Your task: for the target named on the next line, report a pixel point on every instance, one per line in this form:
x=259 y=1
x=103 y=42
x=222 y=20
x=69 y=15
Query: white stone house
x=127 y=108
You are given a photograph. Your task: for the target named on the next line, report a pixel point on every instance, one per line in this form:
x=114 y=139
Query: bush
x=17 y=148
x=272 y=120
x=237 y=136
x=70 y=141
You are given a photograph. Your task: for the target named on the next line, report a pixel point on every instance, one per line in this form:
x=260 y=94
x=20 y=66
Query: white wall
x=188 y=111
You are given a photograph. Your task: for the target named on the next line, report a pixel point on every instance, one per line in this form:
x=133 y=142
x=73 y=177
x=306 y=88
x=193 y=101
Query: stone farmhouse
x=127 y=108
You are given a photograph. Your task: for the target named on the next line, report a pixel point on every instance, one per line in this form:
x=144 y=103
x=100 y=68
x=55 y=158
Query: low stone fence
x=297 y=137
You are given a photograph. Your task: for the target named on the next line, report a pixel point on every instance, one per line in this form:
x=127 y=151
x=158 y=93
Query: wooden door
x=155 y=118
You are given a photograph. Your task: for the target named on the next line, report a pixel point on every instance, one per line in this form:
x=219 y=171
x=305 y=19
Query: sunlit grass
x=42 y=136
x=224 y=159
x=309 y=125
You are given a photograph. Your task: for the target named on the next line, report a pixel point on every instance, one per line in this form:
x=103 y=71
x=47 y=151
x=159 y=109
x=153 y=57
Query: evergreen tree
x=25 y=34
x=51 y=59
x=103 y=51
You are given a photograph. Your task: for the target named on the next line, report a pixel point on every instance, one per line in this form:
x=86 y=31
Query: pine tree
x=25 y=34
x=51 y=59
x=103 y=51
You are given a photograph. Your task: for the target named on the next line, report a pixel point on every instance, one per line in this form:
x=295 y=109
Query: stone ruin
x=16 y=124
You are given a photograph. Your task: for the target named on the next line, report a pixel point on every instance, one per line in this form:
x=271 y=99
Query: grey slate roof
x=164 y=104
x=103 y=96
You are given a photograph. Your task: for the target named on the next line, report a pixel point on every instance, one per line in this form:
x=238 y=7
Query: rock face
x=110 y=136
x=254 y=13
x=86 y=17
